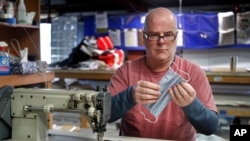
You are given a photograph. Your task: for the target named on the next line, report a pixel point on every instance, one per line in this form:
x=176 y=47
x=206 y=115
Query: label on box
x=4 y=65
x=131 y=37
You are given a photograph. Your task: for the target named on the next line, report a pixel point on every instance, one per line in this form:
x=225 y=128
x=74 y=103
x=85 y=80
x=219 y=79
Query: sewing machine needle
x=100 y=136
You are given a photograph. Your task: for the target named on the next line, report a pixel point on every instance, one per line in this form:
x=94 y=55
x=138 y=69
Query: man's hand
x=146 y=92
x=182 y=94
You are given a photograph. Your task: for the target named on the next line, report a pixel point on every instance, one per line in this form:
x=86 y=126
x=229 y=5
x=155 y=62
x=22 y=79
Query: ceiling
x=64 y=6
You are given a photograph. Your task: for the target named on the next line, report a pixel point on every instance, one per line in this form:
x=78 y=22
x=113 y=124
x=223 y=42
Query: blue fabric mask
x=168 y=80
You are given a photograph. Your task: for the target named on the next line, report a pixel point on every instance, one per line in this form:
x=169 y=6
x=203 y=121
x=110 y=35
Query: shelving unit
x=27 y=35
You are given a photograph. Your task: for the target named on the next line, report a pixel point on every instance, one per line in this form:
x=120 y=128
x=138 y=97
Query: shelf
x=142 y=48
x=26 y=79
x=215 y=47
x=6 y=25
x=131 y=48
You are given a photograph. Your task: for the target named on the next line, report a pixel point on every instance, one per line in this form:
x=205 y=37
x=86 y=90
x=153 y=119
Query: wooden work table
x=216 y=76
x=83 y=74
x=225 y=76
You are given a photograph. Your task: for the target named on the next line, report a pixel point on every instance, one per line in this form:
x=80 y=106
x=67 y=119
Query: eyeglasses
x=167 y=36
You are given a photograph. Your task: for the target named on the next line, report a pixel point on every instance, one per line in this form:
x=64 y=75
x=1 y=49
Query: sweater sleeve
x=203 y=119
x=121 y=104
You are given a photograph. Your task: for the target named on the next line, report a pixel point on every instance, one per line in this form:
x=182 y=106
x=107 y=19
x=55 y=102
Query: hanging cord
x=37 y=51
x=16 y=49
x=180 y=6
x=187 y=74
x=132 y=6
x=144 y=116
x=34 y=45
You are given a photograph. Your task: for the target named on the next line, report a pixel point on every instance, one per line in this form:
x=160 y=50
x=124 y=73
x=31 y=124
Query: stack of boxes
x=226 y=28
x=196 y=29
x=115 y=31
x=243 y=28
x=133 y=30
x=125 y=30
x=205 y=29
x=64 y=37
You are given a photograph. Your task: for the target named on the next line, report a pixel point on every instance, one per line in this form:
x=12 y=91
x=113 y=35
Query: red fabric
x=108 y=58
x=108 y=41
x=104 y=43
x=112 y=57
x=107 y=53
x=172 y=123
x=120 y=56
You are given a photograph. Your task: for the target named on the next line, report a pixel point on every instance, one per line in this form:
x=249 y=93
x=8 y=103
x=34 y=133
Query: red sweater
x=172 y=123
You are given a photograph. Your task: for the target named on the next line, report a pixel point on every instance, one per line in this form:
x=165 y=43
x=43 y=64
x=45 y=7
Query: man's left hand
x=182 y=94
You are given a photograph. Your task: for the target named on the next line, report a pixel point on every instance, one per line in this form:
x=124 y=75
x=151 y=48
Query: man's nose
x=161 y=39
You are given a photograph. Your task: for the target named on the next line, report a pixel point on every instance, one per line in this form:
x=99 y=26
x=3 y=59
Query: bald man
x=161 y=95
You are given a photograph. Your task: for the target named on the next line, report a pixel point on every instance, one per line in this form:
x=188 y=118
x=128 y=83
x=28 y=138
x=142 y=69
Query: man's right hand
x=146 y=92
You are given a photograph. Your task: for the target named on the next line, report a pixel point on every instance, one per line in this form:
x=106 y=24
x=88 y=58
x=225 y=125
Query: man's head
x=160 y=32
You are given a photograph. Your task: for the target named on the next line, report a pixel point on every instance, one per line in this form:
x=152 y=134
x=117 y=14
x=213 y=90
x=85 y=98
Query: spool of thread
x=233 y=63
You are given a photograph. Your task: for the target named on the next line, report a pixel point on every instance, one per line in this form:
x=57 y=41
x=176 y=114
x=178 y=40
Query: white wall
x=218 y=57
x=45 y=37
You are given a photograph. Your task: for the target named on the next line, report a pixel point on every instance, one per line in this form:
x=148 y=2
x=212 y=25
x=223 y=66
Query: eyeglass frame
x=147 y=36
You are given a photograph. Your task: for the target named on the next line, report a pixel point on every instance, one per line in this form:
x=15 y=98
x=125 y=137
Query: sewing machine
x=27 y=110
